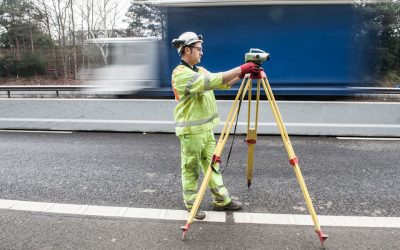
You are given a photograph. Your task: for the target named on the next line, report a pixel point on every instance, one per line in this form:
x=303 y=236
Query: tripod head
x=256 y=56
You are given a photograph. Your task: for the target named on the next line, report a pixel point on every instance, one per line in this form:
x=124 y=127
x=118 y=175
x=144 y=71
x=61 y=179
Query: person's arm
x=187 y=82
x=230 y=77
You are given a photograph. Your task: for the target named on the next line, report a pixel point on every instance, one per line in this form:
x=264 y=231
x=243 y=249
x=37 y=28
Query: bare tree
x=100 y=17
x=73 y=39
x=45 y=14
x=60 y=8
x=57 y=22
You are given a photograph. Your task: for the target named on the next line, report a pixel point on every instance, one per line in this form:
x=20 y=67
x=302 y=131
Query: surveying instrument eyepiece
x=256 y=56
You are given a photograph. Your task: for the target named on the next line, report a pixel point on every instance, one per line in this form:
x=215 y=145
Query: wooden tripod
x=251 y=140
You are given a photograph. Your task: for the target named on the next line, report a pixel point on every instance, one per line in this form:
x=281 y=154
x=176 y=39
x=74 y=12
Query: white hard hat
x=186 y=39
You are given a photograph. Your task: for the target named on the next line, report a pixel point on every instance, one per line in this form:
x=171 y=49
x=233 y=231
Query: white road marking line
x=305 y=220
x=368 y=138
x=108 y=211
x=182 y=215
x=35 y=131
x=164 y=122
x=85 y=120
x=327 y=125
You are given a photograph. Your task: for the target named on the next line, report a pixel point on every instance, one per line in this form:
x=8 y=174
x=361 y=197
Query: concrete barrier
x=300 y=117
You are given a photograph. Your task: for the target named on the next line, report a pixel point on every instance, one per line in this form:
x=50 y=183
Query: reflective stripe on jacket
x=196 y=110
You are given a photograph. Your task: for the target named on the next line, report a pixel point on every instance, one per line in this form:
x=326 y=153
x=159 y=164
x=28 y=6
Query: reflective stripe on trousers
x=196 y=154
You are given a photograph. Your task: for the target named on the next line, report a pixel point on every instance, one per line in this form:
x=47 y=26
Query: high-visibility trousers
x=196 y=154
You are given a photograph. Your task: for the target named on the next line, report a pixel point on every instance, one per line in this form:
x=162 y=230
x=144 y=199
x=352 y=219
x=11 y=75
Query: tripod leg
x=217 y=153
x=230 y=120
x=240 y=94
x=249 y=96
x=257 y=103
x=251 y=137
x=251 y=141
x=293 y=159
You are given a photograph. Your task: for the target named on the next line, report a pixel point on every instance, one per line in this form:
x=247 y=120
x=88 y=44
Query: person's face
x=195 y=52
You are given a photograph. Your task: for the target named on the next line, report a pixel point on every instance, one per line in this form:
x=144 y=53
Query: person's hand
x=247 y=68
x=258 y=73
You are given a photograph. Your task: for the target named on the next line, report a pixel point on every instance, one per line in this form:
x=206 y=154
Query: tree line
x=38 y=35
x=381 y=26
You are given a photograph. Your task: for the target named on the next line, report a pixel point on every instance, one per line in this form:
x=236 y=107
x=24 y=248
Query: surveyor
x=196 y=116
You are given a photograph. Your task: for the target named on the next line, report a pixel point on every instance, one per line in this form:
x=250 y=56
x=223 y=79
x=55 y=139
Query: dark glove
x=258 y=73
x=247 y=68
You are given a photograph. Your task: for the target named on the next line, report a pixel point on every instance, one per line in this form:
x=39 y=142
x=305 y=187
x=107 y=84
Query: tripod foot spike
x=248 y=184
x=322 y=237
x=185 y=229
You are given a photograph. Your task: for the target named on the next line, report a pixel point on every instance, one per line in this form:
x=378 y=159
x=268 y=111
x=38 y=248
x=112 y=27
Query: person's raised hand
x=258 y=73
x=247 y=68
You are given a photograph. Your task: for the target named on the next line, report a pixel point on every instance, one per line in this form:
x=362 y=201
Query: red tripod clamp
x=251 y=141
x=294 y=161
x=216 y=158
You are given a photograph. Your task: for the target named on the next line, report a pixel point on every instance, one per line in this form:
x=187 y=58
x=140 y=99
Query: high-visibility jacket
x=196 y=110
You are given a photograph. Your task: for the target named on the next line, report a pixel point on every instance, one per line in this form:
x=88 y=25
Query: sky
x=124 y=5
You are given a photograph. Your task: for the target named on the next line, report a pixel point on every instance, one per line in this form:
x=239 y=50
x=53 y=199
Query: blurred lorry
x=316 y=47
x=121 y=66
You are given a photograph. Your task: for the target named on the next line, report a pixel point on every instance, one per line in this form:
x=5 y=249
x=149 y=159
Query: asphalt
x=344 y=177
x=22 y=230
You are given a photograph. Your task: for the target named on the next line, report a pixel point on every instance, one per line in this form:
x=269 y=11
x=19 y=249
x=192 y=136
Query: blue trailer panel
x=309 y=44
